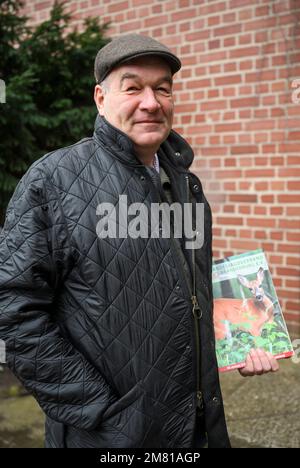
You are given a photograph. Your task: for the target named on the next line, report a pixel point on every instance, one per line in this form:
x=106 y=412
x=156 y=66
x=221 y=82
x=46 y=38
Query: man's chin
x=149 y=140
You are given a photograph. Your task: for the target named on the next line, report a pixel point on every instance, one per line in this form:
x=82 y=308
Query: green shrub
x=48 y=72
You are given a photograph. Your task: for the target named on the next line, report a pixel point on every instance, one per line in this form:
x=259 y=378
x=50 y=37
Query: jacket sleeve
x=35 y=255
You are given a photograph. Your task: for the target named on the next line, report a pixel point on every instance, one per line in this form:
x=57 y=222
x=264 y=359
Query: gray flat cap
x=128 y=47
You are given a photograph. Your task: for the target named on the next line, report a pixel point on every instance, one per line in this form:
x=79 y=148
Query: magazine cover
x=247 y=313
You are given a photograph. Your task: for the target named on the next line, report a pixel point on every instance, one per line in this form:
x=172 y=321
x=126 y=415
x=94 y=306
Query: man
x=113 y=334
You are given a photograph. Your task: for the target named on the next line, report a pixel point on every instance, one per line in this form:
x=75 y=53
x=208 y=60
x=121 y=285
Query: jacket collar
x=174 y=148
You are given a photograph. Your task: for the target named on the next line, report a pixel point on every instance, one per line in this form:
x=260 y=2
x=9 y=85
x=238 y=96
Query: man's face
x=139 y=101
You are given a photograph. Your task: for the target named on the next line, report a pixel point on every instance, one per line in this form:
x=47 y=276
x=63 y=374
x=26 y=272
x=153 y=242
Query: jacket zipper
x=196 y=311
x=197 y=314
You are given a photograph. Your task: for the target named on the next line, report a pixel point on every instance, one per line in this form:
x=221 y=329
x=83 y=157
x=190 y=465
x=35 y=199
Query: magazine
x=247 y=313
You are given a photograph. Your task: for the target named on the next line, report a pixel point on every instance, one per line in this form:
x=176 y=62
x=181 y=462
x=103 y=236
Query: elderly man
x=113 y=334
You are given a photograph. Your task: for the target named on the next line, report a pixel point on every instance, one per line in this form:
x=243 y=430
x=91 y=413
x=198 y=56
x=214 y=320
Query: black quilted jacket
x=101 y=331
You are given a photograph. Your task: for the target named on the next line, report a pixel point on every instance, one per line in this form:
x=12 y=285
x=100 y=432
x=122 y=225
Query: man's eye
x=132 y=88
x=164 y=90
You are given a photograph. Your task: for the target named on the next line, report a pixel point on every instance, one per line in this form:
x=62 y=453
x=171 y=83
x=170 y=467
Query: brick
x=185 y=108
x=293 y=306
x=117 y=7
x=245 y=39
x=213 y=57
x=239 y=3
x=194 y=84
x=267 y=198
x=230 y=67
x=276 y=210
x=197 y=36
x=289 y=172
x=42 y=5
x=291 y=248
x=277 y=282
x=129 y=26
x=294 y=136
x=137 y=3
x=156 y=21
x=259 y=173
x=183 y=14
x=261 y=222
x=261 y=186
x=231 y=127
x=218 y=151
x=215 y=162
x=294 y=185
x=229 y=186
x=225 y=30
x=229 y=17
x=245 y=149
x=213 y=20
x=245 y=186
x=293 y=211
x=229 y=79
x=260 y=210
x=293 y=261
x=217 y=198
x=217 y=232
x=244 y=52
x=244 y=209
x=229 y=174
x=157 y=9
x=242 y=198
x=288 y=271
x=293 y=283
x=260 y=234
x=244 y=102
x=277 y=186
x=244 y=244
x=229 y=208
x=213 y=105
x=186 y=119
x=230 y=162
x=293 y=236
x=230 y=220
x=213 y=93
x=214 y=44
x=289 y=198
x=212 y=8
x=221 y=243
x=276 y=259
x=264 y=24
x=291 y=318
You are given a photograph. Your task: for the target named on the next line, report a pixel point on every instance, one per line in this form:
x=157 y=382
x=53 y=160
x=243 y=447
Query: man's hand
x=259 y=362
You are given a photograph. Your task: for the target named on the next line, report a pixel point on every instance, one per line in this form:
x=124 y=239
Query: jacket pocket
x=124 y=402
x=54 y=434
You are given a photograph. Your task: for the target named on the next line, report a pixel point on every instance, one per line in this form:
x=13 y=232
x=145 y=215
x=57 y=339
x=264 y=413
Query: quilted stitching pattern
x=97 y=329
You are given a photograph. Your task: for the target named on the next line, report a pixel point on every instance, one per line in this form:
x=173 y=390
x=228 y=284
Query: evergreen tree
x=48 y=72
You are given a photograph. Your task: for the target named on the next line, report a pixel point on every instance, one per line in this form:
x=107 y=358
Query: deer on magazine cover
x=254 y=312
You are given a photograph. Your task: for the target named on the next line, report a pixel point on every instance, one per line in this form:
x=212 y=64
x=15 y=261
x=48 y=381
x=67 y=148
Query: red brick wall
x=234 y=105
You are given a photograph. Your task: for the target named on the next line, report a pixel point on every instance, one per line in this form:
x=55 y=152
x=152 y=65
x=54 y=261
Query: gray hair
x=104 y=85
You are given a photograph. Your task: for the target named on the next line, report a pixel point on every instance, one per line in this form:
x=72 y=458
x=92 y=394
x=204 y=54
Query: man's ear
x=99 y=98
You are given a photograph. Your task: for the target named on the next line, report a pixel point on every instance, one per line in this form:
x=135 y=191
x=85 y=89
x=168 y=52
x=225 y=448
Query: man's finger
x=257 y=364
x=248 y=370
x=273 y=362
x=265 y=360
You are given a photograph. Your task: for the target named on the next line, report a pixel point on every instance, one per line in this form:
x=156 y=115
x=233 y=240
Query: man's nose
x=149 y=101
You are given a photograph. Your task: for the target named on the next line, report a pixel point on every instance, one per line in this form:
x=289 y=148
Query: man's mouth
x=149 y=122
